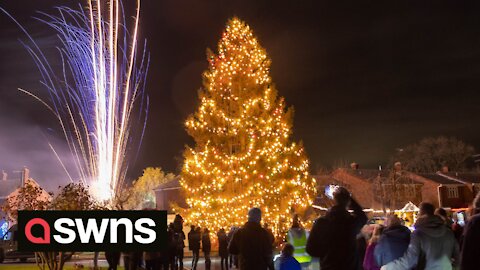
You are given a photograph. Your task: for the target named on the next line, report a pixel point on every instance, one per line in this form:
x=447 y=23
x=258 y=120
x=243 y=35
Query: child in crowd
x=369 y=260
x=286 y=261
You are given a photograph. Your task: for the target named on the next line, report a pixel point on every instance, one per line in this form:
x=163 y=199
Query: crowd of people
x=199 y=240
x=339 y=240
x=342 y=241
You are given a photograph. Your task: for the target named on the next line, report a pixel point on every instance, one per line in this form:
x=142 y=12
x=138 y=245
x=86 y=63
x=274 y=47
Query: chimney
x=397 y=166
x=25 y=175
x=4 y=175
x=354 y=166
x=444 y=169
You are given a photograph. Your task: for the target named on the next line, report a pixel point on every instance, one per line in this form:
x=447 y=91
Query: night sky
x=364 y=78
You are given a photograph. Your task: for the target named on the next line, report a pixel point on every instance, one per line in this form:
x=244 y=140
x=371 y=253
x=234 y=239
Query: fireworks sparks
x=99 y=91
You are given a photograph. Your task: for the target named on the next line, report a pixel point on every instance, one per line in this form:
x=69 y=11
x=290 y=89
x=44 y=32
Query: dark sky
x=364 y=78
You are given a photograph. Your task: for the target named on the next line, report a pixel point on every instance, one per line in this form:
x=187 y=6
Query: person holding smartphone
x=333 y=237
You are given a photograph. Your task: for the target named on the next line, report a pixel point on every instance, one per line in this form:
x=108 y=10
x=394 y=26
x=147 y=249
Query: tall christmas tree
x=243 y=156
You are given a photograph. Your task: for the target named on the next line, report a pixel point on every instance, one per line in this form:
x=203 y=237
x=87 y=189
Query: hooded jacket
x=471 y=244
x=287 y=263
x=392 y=244
x=432 y=247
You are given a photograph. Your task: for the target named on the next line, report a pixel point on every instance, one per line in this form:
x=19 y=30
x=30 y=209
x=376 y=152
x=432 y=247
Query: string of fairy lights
x=243 y=156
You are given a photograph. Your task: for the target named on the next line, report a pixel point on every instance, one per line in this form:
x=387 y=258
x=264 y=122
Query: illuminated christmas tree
x=243 y=156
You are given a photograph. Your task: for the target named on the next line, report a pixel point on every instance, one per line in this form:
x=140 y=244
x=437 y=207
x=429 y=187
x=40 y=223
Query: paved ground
x=87 y=261
x=187 y=263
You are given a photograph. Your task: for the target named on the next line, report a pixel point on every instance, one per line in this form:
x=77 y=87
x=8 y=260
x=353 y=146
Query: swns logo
x=144 y=230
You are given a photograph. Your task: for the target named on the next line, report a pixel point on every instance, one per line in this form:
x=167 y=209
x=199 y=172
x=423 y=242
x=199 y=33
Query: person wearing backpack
x=333 y=237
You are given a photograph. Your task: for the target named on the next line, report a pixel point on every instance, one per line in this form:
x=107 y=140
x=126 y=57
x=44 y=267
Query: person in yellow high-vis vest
x=297 y=236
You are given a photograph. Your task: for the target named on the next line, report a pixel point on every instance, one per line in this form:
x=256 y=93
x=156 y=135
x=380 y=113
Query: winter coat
x=471 y=244
x=222 y=245
x=252 y=244
x=333 y=238
x=392 y=244
x=194 y=239
x=206 y=244
x=457 y=232
x=432 y=247
x=179 y=238
x=151 y=255
x=271 y=237
x=369 y=260
x=172 y=244
x=287 y=263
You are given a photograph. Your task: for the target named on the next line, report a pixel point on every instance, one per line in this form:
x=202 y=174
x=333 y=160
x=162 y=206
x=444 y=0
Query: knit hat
x=255 y=215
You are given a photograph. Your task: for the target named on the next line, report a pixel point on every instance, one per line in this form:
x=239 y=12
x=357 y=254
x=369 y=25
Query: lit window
x=452 y=192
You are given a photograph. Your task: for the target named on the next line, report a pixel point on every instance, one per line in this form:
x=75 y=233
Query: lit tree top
x=243 y=156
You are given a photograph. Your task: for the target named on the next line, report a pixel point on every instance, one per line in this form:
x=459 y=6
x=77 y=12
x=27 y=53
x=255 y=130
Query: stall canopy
x=409 y=207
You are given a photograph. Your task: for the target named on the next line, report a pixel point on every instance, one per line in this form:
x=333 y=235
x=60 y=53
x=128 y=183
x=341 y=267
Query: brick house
x=170 y=193
x=375 y=188
x=471 y=179
x=449 y=189
x=10 y=188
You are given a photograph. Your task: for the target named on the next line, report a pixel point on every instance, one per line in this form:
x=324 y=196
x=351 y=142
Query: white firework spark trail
x=100 y=89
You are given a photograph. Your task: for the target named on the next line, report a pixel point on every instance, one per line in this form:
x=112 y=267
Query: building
x=9 y=190
x=9 y=185
x=168 y=194
x=449 y=189
x=378 y=189
x=392 y=189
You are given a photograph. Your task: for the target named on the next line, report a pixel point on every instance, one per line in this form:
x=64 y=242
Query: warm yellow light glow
x=243 y=155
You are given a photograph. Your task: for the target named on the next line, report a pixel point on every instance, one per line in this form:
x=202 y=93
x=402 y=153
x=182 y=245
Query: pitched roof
x=368 y=174
x=440 y=178
x=373 y=174
x=173 y=184
x=469 y=177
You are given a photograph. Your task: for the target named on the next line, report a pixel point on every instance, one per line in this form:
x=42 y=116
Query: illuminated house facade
x=392 y=189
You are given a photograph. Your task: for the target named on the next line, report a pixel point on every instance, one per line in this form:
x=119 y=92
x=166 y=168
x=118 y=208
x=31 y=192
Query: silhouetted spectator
x=252 y=243
x=179 y=237
x=206 y=247
x=233 y=259
x=470 y=258
x=113 y=259
x=223 y=248
x=444 y=215
x=194 y=238
x=333 y=237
